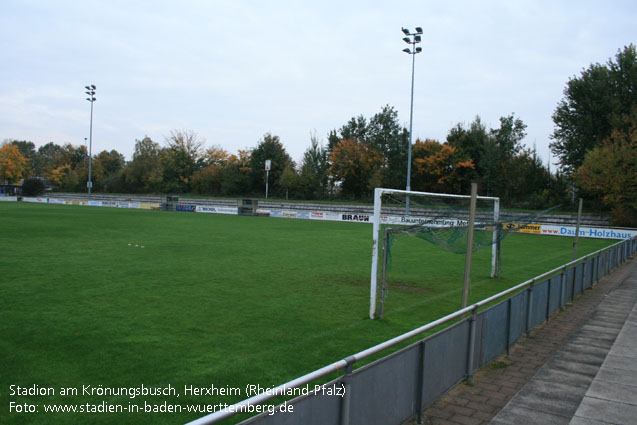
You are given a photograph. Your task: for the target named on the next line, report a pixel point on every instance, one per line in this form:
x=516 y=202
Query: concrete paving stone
x=612 y=310
x=516 y=415
x=549 y=397
x=574 y=355
x=622 y=363
x=586 y=421
x=628 y=335
x=598 y=336
x=624 y=351
x=606 y=410
x=613 y=391
x=586 y=349
x=578 y=339
x=612 y=305
x=615 y=319
x=569 y=378
x=626 y=340
x=611 y=320
x=581 y=369
x=605 y=327
x=617 y=376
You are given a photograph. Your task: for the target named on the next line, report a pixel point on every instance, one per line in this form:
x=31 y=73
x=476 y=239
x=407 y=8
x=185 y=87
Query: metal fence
x=398 y=386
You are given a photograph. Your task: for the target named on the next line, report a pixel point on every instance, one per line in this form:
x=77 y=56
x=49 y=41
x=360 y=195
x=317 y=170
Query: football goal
x=439 y=218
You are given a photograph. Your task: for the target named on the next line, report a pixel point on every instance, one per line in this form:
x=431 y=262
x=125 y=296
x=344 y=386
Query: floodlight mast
x=90 y=91
x=413 y=39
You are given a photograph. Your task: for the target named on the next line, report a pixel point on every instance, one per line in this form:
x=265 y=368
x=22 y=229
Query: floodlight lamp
x=418 y=49
x=93 y=86
x=417 y=38
x=406 y=50
x=406 y=31
x=87 y=87
x=407 y=40
x=419 y=30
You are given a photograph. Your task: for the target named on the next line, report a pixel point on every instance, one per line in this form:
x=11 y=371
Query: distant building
x=10 y=190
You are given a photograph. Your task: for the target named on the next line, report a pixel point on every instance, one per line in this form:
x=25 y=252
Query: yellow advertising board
x=522 y=228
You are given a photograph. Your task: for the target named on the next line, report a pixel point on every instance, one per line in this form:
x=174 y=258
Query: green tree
x=235 y=176
x=289 y=181
x=608 y=171
x=313 y=178
x=269 y=147
x=144 y=172
x=180 y=160
x=593 y=105
x=48 y=158
x=391 y=140
x=111 y=162
x=470 y=140
x=499 y=151
x=528 y=181
x=107 y=172
x=387 y=136
x=355 y=129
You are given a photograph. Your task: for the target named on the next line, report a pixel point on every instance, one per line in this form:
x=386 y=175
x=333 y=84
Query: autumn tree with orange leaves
x=440 y=168
x=13 y=165
x=357 y=166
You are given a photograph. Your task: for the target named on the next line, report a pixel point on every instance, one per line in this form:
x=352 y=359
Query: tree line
x=594 y=139
x=361 y=155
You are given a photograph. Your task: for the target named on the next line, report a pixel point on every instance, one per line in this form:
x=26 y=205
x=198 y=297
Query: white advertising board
x=589 y=232
x=216 y=210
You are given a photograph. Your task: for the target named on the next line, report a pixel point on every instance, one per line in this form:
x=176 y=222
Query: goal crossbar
x=378 y=194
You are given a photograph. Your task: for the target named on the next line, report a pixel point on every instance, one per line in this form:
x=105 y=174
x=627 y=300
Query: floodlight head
x=418 y=49
x=406 y=31
x=417 y=38
x=407 y=40
x=419 y=30
x=93 y=86
x=406 y=50
x=87 y=87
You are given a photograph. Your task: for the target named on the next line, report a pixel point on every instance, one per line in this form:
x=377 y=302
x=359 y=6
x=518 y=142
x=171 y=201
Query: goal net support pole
x=378 y=193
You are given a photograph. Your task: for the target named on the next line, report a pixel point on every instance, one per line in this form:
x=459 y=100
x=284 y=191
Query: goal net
x=441 y=219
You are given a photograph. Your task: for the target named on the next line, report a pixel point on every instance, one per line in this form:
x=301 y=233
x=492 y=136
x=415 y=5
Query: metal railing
x=398 y=386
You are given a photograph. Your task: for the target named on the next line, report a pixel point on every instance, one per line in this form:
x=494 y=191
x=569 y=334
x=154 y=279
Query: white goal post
x=378 y=195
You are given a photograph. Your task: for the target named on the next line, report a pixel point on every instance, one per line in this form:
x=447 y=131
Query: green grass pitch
x=209 y=299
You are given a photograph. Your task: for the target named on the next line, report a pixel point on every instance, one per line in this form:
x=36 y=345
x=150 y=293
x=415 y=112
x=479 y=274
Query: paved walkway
x=579 y=366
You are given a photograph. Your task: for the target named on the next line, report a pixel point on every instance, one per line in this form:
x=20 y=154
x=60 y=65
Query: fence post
x=562 y=288
x=346 y=391
x=420 y=381
x=529 y=305
x=548 y=299
x=508 y=327
x=472 y=344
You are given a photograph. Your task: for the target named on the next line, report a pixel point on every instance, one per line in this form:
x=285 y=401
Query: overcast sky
x=232 y=71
